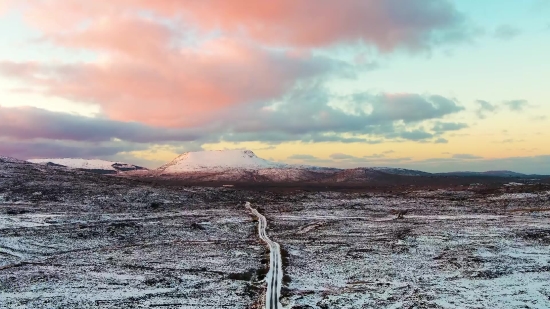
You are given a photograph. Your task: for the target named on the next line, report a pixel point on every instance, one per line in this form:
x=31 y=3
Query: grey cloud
x=509 y=140
x=506 y=32
x=341 y=156
x=539 y=118
x=375 y=156
x=394 y=160
x=484 y=108
x=441 y=127
x=277 y=137
x=302 y=157
x=441 y=141
x=32 y=123
x=63 y=149
x=416 y=135
x=516 y=105
x=466 y=156
x=407 y=107
x=306 y=114
x=488 y=108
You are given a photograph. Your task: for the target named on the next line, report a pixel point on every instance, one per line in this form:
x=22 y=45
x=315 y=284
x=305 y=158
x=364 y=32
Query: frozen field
x=76 y=240
x=449 y=251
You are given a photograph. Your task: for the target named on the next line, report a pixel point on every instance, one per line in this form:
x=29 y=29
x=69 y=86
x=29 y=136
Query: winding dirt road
x=274 y=276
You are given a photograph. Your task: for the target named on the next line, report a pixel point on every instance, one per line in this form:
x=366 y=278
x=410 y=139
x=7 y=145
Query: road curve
x=274 y=276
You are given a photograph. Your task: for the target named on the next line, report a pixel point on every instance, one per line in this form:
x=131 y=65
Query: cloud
x=465 y=156
x=342 y=156
x=529 y=164
x=516 y=105
x=539 y=118
x=307 y=113
x=408 y=107
x=385 y=24
x=441 y=141
x=508 y=141
x=302 y=157
x=5 y=6
x=506 y=32
x=62 y=149
x=173 y=71
x=441 y=127
x=177 y=88
x=415 y=135
x=485 y=108
x=195 y=59
x=304 y=114
x=375 y=156
x=213 y=70
x=21 y=123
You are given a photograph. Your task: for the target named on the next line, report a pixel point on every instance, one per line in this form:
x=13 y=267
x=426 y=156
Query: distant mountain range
x=245 y=166
x=488 y=173
x=97 y=166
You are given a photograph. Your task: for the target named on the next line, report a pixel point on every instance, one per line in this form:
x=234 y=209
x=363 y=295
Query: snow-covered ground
x=72 y=239
x=346 y=251
x=88 y=164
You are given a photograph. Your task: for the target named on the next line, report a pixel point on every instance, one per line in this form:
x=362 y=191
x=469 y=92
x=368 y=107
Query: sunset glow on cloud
x=436 y=85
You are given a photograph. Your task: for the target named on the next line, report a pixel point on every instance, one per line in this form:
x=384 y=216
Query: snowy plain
x=72 y=239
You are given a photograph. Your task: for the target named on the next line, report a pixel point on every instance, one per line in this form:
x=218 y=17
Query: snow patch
x=514 y=196
x=88 y=164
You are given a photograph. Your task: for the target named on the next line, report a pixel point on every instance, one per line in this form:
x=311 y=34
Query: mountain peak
x=217 y=160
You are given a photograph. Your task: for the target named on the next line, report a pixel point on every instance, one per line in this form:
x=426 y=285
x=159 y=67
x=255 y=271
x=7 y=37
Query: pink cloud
x=307 y=23
x=313 y=23
x=137 y=38
x=150 y=72
x=179 y=87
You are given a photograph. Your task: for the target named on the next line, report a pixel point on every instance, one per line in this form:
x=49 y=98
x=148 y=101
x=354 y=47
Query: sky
x=435 y=85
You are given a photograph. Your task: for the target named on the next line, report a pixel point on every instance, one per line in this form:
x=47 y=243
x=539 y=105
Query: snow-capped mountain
x=235 y=165
x=93 y=165
x=218 y=160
